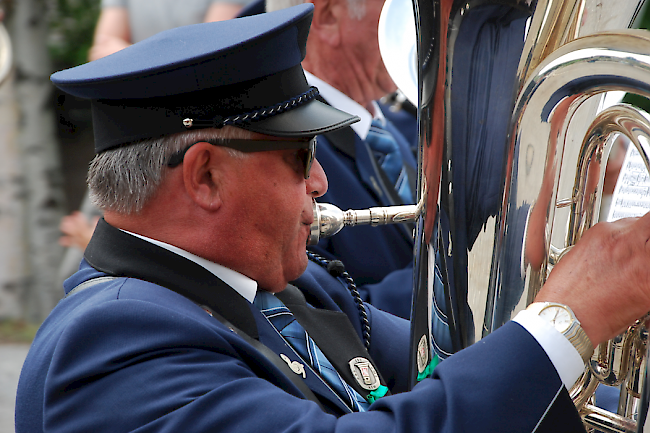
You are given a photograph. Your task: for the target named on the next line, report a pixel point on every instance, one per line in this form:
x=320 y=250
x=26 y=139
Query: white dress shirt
x=343 y=102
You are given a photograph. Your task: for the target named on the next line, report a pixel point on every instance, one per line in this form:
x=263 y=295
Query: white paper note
x=631 y=196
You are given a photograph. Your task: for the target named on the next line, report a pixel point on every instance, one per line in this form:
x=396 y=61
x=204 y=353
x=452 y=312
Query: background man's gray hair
x=123 y=179
x=356 y=8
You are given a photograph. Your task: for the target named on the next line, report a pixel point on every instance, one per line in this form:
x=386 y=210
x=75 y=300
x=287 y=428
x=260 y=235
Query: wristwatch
x=562 y=318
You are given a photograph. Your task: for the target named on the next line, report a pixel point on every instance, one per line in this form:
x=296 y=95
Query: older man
x=181 y=318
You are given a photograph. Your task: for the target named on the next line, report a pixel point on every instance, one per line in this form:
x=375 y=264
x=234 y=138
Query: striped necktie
x=389 y=158
x=284 y=321
x=440 y=333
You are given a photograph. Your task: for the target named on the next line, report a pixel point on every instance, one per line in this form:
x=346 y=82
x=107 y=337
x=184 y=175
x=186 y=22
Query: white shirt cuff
x=565 y=358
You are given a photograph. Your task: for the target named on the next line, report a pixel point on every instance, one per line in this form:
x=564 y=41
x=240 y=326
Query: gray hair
x=356 y=8
x=125 y=178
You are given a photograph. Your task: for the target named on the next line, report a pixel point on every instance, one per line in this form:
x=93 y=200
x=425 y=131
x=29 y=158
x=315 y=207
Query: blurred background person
x=77 y=230
x=124 y=22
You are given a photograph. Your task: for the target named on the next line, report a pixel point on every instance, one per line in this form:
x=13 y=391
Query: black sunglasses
x=306 y=149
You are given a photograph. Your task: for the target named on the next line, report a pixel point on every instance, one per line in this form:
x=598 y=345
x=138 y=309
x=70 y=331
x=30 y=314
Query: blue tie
x=441 y=335
x=284 y=321
x=389 y=158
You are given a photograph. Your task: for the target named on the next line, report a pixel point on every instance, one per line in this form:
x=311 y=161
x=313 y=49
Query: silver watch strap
x=575 y=334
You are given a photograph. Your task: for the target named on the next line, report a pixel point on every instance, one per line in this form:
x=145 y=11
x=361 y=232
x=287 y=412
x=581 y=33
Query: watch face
x=557 y=316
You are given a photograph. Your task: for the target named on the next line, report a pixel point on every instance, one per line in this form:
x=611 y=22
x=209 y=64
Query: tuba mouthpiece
x=329 y=219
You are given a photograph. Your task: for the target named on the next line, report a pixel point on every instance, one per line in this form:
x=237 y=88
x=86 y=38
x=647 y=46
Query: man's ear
x=326 y=23
x=202 y=167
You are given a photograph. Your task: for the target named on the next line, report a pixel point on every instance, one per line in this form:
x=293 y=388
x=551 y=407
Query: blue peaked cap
x=243 y=72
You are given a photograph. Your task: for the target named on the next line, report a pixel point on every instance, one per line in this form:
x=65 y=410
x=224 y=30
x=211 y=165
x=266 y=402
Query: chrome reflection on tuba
x=589 y=66
x=504 y=97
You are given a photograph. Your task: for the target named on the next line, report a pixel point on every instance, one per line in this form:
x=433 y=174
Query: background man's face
x=361 y=42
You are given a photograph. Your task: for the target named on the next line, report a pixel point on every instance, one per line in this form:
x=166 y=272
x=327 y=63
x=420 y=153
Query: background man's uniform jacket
x=379 y=258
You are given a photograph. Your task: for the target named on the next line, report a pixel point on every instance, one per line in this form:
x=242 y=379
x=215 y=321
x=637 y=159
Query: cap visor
x=306 y=120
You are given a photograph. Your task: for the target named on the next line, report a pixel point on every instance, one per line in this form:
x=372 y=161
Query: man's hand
x=605 y=278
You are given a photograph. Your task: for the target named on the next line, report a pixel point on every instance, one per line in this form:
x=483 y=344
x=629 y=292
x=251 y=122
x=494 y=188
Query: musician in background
x=403 y=114
x=344 y=62
x=123 y=22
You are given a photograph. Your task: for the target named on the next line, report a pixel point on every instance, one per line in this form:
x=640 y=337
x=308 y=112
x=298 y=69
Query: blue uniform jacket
x=131 y=355
x=378 y=258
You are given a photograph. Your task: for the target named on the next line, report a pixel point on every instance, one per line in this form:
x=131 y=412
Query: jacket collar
x=121 y=254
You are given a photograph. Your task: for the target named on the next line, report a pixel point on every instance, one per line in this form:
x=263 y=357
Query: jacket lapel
x=271 y=338
x=333 y=334
x=118 y=253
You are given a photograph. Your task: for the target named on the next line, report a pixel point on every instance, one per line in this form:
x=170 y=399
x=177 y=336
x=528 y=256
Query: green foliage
x=17 y=331
x=637 y=101
x=72 y=24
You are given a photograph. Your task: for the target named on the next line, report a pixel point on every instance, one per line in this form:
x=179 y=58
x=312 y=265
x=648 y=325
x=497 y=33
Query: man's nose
x=317 y=182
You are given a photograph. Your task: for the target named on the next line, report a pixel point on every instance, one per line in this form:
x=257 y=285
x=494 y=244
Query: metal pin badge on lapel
x=423 y=354
x=364 y=373
x=295 y=366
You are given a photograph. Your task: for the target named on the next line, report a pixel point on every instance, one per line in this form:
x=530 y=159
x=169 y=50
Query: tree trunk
x=40 y=179
x=12 y=210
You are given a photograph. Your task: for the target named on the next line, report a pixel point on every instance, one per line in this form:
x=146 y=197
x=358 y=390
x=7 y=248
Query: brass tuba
x=521 y=165
x=537 y=117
